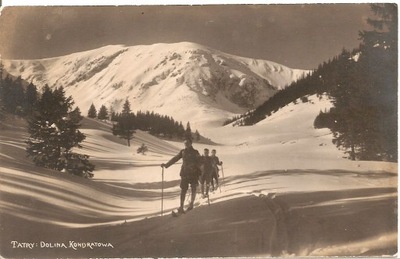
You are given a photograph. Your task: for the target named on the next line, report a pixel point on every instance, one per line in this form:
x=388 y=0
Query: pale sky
x=298 y=36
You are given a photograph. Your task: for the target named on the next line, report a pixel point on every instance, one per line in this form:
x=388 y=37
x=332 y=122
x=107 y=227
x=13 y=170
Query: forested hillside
x=362 y=84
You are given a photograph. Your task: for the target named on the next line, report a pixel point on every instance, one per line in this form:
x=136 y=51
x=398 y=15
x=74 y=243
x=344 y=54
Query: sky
x=297 y=35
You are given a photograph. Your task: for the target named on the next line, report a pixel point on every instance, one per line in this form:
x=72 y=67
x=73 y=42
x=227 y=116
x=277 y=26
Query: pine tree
x=197 y=134
x=384 y=35
x=379 y=56
x=2 y=111
x=54 y=132
x=2 y=107
x=6 y=88
x=365 y=91
x=15 y=96
x=103 y=113
x=345 y=101
x=31 y=97
x=181 y=130
x=126 y=108
x=113 y=116
x=125 y=124
x=92 y=113
x=1 y=70
x=188 y=132
x=111 y=113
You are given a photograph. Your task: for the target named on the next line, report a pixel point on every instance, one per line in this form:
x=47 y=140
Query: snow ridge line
x=279 y=242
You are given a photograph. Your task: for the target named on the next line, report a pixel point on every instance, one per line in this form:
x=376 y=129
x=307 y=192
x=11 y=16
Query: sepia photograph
x=197 y=131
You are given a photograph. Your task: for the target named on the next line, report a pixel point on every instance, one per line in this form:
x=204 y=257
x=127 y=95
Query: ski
x=208 y=199
x=189 y=208
x=176 y=213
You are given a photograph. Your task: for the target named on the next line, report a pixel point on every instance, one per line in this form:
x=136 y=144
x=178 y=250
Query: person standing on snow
x=190 y=172
x=215 y=174
x=207 y=170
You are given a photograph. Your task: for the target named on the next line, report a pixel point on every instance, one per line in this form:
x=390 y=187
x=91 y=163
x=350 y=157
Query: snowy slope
x=286 y=189
x=185 y=80
x=286 y=160
x=324 y=204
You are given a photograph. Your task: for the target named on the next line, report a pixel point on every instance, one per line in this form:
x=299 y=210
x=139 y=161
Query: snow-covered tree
x=54 y=132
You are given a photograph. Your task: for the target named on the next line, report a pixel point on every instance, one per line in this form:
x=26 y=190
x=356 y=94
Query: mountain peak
x=183 y=45
x=185 y=80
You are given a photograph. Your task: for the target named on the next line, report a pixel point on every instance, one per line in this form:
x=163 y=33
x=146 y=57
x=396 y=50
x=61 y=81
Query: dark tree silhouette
x=103 y=113
x=124 y=127
x=54 y=132
x=92 y=113
x=188 y=132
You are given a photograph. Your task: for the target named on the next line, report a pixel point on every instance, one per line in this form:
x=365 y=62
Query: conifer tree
x=6 y=87
x=103 y=113
x=364 y=116
x=181 y=130
x=379 y=55
x=188 y=132
x=125 y=124
x=1 y=71
x=2 y=111
x=92 y=113
x=197 y=134
x=2 y=107
x=31 y=97
x=15 y=96
x=113 y=116
x=54 y=132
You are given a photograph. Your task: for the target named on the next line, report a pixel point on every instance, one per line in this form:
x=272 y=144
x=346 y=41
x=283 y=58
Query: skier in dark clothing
x=190 y=172
x=207 y=170
x=215 y=174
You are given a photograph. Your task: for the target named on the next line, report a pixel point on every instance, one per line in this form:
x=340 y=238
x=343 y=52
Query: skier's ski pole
x=219 y=184
x=189 y=197
x=223 y=177
x=162 y=191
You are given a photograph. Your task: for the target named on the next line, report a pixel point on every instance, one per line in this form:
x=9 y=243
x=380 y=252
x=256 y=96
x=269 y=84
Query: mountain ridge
x=185 y=80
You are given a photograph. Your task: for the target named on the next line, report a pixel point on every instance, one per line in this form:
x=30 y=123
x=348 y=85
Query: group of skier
x=196 y=168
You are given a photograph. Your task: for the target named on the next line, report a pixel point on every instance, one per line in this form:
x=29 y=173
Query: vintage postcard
x=225 y=130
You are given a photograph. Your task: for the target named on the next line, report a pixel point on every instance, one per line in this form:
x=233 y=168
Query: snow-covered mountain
x=185 y=80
